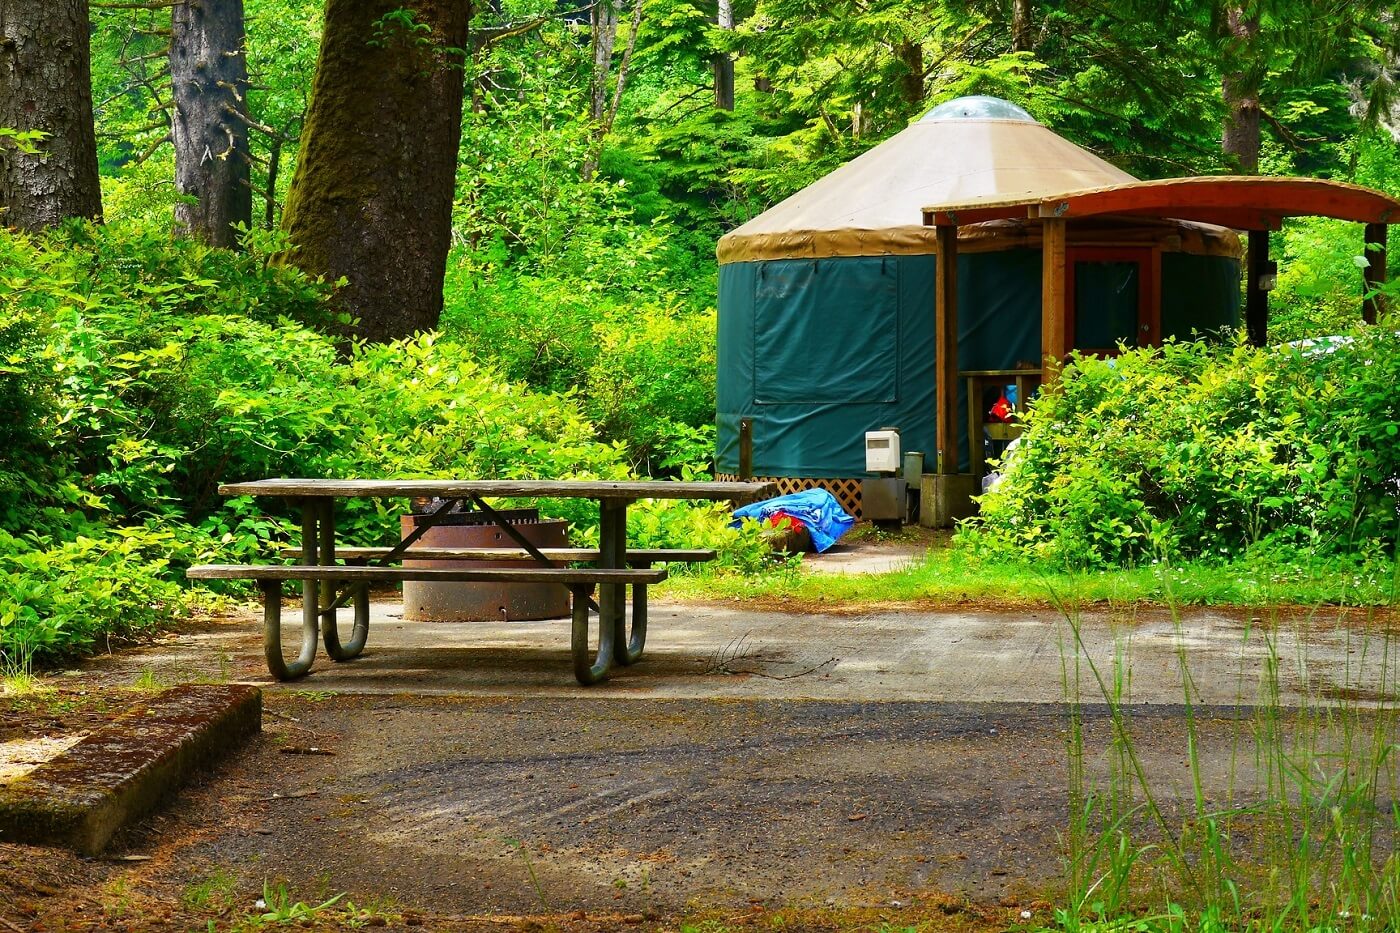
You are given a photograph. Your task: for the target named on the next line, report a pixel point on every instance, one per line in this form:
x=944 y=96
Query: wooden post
x=1053 y=344
x=1256 y=299
x=946 y=347
x=1373 y=275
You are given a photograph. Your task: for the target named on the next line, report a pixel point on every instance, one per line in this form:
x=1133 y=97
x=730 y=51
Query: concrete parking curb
x=109 y=779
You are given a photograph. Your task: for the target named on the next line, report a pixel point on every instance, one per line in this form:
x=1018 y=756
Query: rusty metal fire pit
x=479 y=602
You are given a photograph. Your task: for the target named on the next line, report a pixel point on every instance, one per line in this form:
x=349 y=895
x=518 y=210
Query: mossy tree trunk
x=723 y=64
x=209 y=125
x=371 y=200
x=46 y=85
x=1021 y=36
x=1240 y=136
x=911 y=81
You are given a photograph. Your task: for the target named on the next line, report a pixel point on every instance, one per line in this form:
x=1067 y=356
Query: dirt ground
x=461 y=781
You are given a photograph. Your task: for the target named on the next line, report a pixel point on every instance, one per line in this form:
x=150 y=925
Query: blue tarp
x=815 y=508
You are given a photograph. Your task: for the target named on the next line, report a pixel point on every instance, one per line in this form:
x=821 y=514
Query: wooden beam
x=973 y=215
x=946 y=347
x=1256 y=298
x=1053 y=345
x=1242 y=202
x=1195 y=197
x=1373 y=307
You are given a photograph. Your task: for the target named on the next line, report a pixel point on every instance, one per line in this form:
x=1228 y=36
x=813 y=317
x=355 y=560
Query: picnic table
x=328 y=586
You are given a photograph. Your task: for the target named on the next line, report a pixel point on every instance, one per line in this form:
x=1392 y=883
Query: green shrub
x=1195 y=451
x=59 y=598
x=138 y=386
x=643 y=367
x=652 y=385
x=20 y=398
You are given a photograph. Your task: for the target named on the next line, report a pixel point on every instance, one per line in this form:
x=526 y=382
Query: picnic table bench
x=327 y=585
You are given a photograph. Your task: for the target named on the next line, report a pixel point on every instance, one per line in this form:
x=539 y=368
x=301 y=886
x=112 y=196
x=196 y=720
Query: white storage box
x=882 y=451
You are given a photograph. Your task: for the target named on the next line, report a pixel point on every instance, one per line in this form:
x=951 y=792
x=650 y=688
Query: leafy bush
x=139 y=387
x=20 y=338
x=1195 y=451
x=643 y=367
x=57 y=596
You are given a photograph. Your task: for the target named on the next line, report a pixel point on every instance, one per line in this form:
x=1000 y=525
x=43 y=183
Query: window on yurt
x=826 y=331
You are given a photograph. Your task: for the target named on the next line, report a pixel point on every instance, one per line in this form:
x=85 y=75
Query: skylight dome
x=977 y=108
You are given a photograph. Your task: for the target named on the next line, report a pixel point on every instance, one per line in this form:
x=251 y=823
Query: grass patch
x=954 y=575
x=1298 y=834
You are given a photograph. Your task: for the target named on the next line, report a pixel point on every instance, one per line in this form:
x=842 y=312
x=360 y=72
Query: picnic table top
x=449 y=489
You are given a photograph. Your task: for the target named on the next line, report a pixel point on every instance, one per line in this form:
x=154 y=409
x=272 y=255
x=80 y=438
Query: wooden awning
x=1242 y=202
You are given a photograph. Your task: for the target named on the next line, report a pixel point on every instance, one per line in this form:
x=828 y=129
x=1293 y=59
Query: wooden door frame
x=1149 y=262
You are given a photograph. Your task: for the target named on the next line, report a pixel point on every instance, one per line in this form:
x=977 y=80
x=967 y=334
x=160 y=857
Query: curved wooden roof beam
x=1245 y=202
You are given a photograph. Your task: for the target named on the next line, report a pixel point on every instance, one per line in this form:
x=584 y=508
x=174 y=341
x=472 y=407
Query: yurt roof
x=969 y=149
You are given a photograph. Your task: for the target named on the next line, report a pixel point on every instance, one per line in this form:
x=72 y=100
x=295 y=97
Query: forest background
x=526 y=284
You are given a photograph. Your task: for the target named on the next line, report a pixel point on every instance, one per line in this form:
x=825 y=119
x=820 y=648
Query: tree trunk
x=274 y=168
x=209 y=82
x=1021 y=26
x=605 y=14
x=1240 y=135
x=371 y=199
x=911 y=82
x=46 y=85
x=724 y=65
x=602 y=110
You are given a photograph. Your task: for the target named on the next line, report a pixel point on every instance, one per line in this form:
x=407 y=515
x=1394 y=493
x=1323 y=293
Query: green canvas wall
x=1200 y=294
x=819 y=351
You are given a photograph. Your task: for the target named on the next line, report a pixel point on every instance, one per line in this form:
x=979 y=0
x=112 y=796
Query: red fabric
x=1001 y=410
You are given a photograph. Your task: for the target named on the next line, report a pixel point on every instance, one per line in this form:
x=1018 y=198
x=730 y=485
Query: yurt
x=826 y=300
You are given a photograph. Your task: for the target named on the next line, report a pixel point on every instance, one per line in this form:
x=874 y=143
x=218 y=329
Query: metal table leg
x=272 y=607
x=612 y=597
x=272 y=636
x=330 y=601
x=629 y=648
x=589 y=668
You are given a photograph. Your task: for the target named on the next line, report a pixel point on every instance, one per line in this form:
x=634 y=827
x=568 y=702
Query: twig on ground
x=292 y=796
x=810 y=670
x=736 y=650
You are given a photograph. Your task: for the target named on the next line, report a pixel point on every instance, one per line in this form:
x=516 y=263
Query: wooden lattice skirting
x=846 y=491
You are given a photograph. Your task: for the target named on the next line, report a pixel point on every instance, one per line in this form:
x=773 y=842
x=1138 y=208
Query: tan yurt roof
x=965 y=150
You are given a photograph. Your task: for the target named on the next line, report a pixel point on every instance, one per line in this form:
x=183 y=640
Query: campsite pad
x=476 y=779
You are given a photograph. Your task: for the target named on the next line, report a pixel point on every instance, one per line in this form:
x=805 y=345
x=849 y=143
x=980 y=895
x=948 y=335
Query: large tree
x=605 y=96
x=1271 y=49
x=371 y=200
x=46 y=86
x=724 y=62
x=209 y=122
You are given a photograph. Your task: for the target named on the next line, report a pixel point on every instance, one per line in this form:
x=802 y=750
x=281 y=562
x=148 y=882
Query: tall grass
x=1298 y=834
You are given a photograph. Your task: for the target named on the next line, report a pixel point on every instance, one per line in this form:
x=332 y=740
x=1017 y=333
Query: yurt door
x=1109 y=294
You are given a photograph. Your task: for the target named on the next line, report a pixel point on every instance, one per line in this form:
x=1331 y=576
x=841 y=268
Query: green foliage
x=26 y=141
x=1320 y=270
x=144 y=371
x=102 y=586
x=1194 y=451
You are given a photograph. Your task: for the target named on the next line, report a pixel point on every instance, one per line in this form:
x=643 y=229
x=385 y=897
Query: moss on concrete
x=122 y=771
